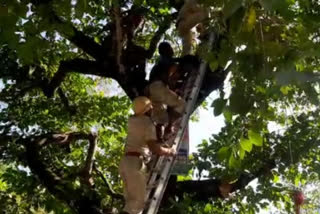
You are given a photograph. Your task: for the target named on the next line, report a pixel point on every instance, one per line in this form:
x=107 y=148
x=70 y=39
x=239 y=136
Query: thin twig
x=107 y=183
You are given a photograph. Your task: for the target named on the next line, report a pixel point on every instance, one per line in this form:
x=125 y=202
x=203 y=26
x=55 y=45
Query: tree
x=62 y=135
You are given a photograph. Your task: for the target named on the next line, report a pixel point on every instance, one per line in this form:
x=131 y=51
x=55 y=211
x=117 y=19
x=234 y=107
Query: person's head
x=165 y=49
x=142 y=105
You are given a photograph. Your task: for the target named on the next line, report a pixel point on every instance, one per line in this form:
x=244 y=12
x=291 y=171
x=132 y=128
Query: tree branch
x=61 y=138
x=156 y=38
x=76 y=198
x=82 y=66
x=74 y=65
x=47 y=177
x=212 y=81
x=67 y=138
x=203 y=190
x=65 y=102
x=110 y=191
x=66 y=29
x=82 y=41
x=86 y=172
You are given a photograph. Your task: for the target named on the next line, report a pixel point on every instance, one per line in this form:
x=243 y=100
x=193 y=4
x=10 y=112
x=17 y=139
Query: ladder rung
x=153 y=201
x=152 y=186
x=155 y=170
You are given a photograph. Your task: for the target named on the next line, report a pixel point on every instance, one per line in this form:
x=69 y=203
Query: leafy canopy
x=269 y=103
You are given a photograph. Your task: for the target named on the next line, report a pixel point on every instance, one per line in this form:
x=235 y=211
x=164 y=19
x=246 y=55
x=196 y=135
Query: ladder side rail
x=164 y=177
x=180 y=132
x=153 y=175
x=159 y=161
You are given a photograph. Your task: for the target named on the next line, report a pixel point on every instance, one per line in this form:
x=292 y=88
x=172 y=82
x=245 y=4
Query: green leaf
x=227 y=115
x=246 y=144
x=273 y=48
x=239 y=103
x=297 y=180
x=208 y=208
x=268 y=4
x=218 y=106
x=231 y=7
x=285 y=90
x=3 y=185
x=251 y=20
x=242 y=153
x=138 y=2
x=275 y=5
x=234 y=163
x=255 y=138
x=224 y=153
x=236 y=21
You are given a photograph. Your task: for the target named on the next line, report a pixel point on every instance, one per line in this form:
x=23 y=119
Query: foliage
x=270 y=103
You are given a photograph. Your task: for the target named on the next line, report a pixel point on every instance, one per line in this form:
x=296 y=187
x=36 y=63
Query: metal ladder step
x=154 y=195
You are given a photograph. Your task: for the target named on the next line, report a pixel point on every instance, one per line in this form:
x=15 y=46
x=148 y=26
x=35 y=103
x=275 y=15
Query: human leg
x=134 y=178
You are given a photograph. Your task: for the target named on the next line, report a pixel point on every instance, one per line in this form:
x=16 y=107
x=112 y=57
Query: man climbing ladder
x=141 y=140
x=161 y=171
x=168 y=106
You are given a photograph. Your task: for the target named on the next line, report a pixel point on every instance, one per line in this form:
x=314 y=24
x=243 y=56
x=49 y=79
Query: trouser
x=162 y=97
x=167 y=107
x=133 y=172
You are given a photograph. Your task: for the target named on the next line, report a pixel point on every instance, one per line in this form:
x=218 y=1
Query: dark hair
x=190 y=60
x=165 y=49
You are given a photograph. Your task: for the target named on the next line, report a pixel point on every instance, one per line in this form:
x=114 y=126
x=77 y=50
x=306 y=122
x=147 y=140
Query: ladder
x=159 y=177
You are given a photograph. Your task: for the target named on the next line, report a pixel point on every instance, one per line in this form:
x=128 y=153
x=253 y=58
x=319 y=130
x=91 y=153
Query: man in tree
x=141 y=140
x=168 y=106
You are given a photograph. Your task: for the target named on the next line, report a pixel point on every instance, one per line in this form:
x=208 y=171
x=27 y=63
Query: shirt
x=140 y=130
x=160 y=70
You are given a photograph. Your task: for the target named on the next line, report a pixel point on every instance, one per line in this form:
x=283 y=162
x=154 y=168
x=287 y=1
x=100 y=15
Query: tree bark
x=204 y=190
x=76 y=198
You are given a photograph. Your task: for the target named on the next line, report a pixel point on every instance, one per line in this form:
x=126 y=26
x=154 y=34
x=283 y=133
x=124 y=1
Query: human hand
x=172 y=152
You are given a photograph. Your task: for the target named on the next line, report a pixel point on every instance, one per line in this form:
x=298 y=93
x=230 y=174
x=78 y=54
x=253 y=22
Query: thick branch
x=87 y=169
x=77 y=199
x=47 y=177
x=134 y=60
x=62 y=138
x=203 y=190
x=75 y=65
x=83 y=66
x=212 y=81
x=81 y=40
x=156 y=38
x=67 y=138
x=65 y=102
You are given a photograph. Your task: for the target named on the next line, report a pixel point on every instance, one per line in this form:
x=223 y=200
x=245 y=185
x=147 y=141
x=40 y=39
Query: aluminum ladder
x=161 y=171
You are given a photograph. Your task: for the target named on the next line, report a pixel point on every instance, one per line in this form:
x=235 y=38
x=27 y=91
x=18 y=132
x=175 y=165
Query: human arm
x=153 y=142
x=156 y=148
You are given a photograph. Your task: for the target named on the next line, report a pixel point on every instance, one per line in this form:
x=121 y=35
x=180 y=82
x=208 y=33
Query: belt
x=136 y=154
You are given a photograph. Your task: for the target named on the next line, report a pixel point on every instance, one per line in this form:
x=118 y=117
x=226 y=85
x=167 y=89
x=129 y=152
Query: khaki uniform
x=162 y=97
x=132 y=169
